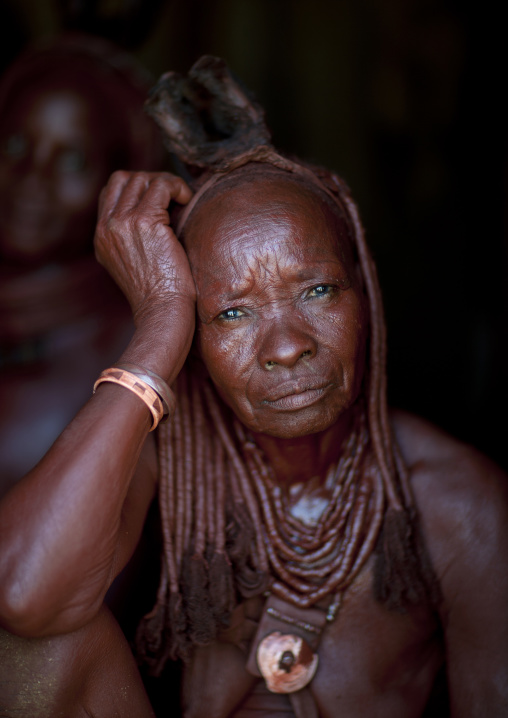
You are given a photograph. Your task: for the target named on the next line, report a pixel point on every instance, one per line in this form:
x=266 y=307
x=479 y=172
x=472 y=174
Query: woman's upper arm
x=476 y=593
x=463 y=502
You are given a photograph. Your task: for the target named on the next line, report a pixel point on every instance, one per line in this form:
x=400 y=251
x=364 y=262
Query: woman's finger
x=146 y=190
x=111 y=193
x=180 y=190
x=132 y=192
x=162 y=189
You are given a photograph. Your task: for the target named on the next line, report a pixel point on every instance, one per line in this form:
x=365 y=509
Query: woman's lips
x=298 y=398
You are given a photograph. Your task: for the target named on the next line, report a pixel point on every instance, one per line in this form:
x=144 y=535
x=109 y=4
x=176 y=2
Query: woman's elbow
x=33 y=617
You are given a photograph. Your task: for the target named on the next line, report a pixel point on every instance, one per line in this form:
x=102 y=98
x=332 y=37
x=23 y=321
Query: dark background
x=406 y=101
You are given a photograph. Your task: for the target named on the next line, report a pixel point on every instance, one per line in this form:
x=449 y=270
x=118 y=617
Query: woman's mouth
x=297 y=397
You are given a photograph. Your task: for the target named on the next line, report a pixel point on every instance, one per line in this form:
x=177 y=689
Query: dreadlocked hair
x=227 y=531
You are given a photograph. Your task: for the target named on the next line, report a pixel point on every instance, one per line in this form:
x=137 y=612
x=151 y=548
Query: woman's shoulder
x=445 y=463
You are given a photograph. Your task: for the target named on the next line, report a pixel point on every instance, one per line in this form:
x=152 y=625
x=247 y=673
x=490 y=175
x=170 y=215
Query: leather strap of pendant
x=303 y=704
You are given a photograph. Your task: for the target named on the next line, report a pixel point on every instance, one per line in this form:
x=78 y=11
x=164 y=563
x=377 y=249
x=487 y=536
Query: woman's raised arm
x=70 y=525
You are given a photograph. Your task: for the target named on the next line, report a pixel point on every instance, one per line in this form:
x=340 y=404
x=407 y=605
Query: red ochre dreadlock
x=226 y=533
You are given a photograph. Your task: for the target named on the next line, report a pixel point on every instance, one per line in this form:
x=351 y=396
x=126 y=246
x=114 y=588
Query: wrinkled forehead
x=260 y=190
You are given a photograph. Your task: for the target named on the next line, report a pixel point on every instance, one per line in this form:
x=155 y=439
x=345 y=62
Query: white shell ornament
x=286 y=662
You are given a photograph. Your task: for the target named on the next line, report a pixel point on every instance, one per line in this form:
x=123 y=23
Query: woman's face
x=282 y=319
x=54 y=160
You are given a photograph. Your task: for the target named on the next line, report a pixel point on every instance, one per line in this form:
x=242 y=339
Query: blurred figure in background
x=71 y=112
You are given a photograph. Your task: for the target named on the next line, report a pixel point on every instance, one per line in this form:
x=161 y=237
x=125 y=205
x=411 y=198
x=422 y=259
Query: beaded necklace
x=311 y=561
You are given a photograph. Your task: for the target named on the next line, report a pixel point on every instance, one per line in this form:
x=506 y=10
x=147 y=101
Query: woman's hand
x=135 y=243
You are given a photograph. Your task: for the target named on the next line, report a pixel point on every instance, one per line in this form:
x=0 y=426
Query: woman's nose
x=285 y=343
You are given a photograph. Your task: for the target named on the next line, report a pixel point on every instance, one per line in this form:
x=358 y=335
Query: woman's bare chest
x=370 y=662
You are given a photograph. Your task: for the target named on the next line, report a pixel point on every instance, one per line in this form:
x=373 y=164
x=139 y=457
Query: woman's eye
x=321 y=290
x=229 y=314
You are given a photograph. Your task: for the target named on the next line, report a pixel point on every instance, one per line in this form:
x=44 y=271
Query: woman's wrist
x=162 y=340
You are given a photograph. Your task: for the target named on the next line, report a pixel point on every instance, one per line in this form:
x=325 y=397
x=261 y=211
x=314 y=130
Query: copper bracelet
x=157 y=383
x=139 y=387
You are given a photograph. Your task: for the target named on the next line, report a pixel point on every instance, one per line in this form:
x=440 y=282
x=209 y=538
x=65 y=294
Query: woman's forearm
x=62 y=532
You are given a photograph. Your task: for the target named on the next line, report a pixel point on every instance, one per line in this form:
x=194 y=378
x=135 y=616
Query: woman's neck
x=305 y=459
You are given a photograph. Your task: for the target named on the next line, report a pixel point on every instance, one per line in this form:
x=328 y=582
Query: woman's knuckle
x=119 y=176
x=114 y=226
x=143 y=223
x=140 y=177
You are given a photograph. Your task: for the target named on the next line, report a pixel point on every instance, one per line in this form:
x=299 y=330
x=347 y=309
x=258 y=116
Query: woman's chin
x=297 y=423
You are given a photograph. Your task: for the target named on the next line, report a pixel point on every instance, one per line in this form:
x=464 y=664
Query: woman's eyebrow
x=232 y=295
x=309 y=272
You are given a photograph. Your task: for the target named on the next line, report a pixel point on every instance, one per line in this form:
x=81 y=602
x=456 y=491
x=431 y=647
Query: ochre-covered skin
x=278 y=285
x=71 y=524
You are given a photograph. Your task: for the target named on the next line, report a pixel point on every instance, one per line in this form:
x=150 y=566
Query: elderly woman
x=323 y=555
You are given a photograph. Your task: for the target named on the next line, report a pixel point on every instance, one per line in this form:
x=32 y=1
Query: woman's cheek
x=217 y=350
x=228 y=355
